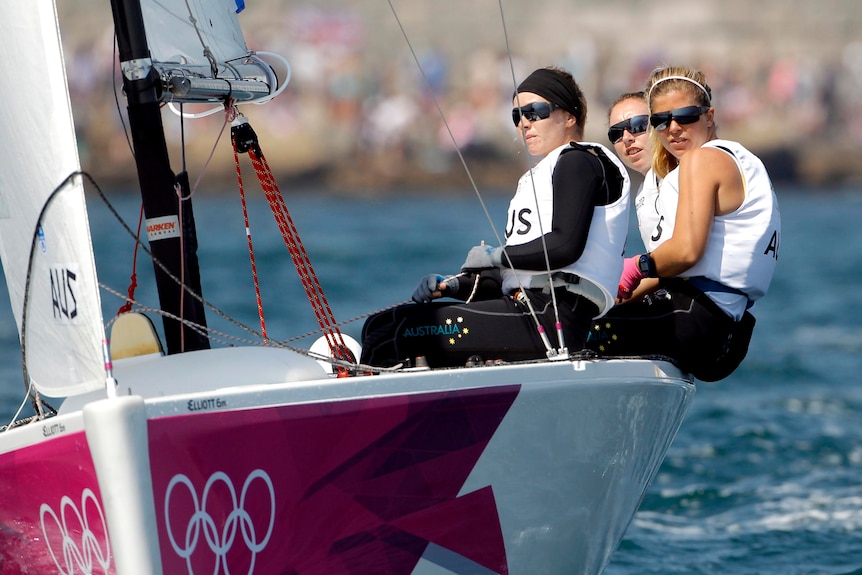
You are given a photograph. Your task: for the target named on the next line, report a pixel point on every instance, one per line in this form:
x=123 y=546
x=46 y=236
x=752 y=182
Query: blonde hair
x=664 y=80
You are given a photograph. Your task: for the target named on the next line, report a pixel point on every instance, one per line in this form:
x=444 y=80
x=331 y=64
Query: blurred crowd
x=360 y=112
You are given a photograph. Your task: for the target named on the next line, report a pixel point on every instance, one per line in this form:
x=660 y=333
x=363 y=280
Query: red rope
x=133 y=279
x=248 y=235
x=245 y=140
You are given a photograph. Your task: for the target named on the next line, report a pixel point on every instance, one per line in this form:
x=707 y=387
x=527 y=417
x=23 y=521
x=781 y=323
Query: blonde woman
x=715 y=246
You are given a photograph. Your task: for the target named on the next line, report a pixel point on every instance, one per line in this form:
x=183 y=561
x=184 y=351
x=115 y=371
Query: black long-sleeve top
x=582 y=180
x=578 y=186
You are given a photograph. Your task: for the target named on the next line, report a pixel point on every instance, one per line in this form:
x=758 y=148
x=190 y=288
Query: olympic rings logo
x=81 y=554
x=237 y=520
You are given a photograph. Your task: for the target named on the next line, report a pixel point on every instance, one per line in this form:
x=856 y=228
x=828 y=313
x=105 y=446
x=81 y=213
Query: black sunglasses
x=634 y=125
x=533 y=112
x=687 y=115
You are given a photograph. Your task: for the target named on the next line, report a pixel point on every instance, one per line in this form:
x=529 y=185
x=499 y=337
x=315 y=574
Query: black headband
x=551 y=86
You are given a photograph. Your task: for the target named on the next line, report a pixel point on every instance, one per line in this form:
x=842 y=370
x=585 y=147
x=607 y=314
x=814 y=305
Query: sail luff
x=64 y=331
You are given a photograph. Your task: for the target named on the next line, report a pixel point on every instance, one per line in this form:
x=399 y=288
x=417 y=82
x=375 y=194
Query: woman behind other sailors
x=582 y=194
x=714 y=248
x=628 y=119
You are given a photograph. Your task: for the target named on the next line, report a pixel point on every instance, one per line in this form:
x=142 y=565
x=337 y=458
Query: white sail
x=197 y=48
x=38 y=151
x=178 y=31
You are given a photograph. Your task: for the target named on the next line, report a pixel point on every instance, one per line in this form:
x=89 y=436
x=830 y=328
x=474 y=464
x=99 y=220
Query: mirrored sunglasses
x=533 y=112
x=687 y=115
x=634 y=125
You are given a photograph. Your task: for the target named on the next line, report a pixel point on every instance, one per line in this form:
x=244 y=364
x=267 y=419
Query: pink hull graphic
x=412 y=474
x=50 y=520
x=359 y=486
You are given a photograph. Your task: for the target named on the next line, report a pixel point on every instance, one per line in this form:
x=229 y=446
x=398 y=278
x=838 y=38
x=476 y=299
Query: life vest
x=602 y=259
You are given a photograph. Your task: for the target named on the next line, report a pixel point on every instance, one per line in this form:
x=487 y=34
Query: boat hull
x=509 y=469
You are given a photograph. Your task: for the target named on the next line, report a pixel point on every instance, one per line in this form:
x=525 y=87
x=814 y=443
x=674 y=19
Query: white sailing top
x=646 y=206
x=601 y=261
x=742 y=248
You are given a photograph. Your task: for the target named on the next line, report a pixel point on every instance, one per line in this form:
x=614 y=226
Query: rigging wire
x=150 y=254
x=28 y=384
x=451 y=135
x=201 y=329
x=562 y=349
x=122 y=118
x=205 y=330
x=208 y=54
x=551 y=352
x=30 y=392
x=180 y=200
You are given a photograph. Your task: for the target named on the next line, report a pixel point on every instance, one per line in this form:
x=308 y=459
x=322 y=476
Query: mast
x=157 y=182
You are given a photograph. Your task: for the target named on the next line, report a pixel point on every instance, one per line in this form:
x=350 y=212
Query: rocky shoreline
x=358 y=116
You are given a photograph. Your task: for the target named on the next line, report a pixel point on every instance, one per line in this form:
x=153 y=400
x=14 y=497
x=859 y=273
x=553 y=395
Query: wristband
x=646 y=265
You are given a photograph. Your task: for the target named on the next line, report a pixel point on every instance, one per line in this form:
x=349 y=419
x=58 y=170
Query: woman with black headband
x=564 y=239
x=713 y=249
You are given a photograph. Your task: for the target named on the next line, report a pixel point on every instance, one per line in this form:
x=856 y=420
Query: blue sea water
x=765 y=475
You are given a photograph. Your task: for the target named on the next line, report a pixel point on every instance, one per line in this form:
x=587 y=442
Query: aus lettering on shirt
x=774 y=243
x=525 y=224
